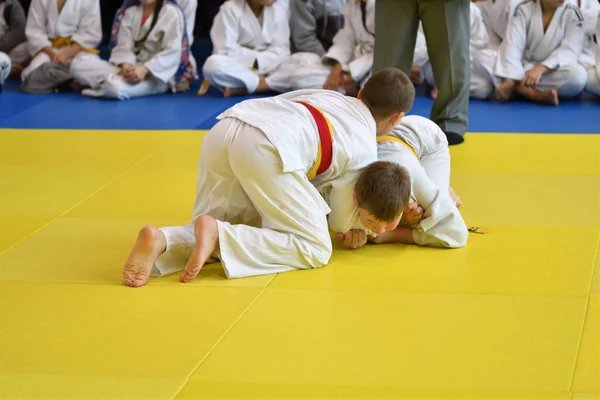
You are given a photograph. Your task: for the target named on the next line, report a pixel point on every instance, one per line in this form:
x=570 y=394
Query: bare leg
x=434 y=92
x=231 y=92
x=455 y=197
x=151 y=243
x=207 y=241
x=538 y=96
x=505 y=90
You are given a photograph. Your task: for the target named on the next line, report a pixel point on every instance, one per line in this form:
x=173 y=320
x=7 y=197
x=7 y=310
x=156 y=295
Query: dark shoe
x=454 y=138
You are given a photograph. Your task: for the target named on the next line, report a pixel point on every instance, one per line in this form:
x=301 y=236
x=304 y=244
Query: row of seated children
x=540 y=49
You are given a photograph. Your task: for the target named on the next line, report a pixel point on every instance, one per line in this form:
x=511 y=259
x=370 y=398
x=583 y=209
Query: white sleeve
x=442 y=224
x=479 y=37
x=421 y=57
x=344 y=213
x=123 y=52
x=590 y=17
x=224 y=36
x=35 y=29
x=344 y=41
x=510 y=53
x=164 y=65
x=89 y=32
x=279 y=49
x=360 y=67
x=571 y=44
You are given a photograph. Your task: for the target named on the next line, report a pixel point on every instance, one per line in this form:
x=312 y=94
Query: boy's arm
x=572 y=44
x=16 y=28
x=35 y=30
x=510 y=53
x=303 y=26
x=402 y=234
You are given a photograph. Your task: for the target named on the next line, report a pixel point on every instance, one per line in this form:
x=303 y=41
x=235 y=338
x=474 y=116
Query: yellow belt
x=390 y=138
x=60 y=42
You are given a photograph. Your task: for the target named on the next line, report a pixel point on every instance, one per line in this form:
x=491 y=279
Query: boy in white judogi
x=538 y=58
x=251 y=39
x=264 y=172
x=64 y=33
x=420 y=146
x=12 y=34
x=478 y=41
x=147 y=54
x=347 y=64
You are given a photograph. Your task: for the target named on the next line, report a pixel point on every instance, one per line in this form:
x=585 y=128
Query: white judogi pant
x=104 y=80
x=312 y=73
x=568 y=80
x=593 y=81
x=224 y=72
x=268 y=221
x=77 y=66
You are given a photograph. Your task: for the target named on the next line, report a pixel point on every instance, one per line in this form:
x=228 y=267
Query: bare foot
x=150 y=244
x=538 y=96
x=415 y=75
x=505 y=90
x=231 y=92
x=207 y=241
x=434 y=92
x=455 y=197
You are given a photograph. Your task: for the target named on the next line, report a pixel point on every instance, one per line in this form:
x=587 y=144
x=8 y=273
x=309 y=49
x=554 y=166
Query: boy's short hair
x=383 y=189
x=388 y=92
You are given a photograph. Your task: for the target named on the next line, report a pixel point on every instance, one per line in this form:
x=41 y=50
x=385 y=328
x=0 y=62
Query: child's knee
x=114 y=88
x=480 y=87
x=213 y=65
x=573 y=78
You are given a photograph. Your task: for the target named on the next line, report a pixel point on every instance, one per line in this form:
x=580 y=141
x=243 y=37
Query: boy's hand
x=413 y=214
x=62 y=58
x=335 y=79
x=533 y=76
x=353 y=239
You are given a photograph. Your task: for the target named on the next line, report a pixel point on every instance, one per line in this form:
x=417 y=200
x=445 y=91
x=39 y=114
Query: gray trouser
x=446 y=25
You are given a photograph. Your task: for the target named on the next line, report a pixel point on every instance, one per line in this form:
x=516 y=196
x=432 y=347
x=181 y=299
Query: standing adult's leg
x=396 y=26
x=446 y=25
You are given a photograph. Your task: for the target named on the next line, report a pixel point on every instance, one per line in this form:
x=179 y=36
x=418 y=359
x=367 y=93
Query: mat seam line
x=210 y=351
x=80 y=202
x=585 y=314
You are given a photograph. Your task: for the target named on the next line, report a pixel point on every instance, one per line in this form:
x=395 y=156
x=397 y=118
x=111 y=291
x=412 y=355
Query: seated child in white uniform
x=251 y=40
x=65 y=33
x=150 y=53
x=539 y=57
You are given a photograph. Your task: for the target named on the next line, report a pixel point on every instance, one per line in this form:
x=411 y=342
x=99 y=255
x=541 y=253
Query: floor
x=514 y=315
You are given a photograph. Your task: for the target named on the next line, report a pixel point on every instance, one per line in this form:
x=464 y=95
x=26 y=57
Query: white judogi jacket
x=293 y=132
x=526 y=44
x=189 y=12
x=442 y=225
x=589 y=9
x=79 y=20
x=161 y=51
x=237 y=33
x=354 y=44
x=495 y=15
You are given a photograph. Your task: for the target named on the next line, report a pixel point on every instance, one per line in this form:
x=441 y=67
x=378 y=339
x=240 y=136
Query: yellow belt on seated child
x=60 y=42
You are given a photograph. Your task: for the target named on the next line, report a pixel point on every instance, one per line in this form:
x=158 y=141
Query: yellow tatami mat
x=514 y=315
